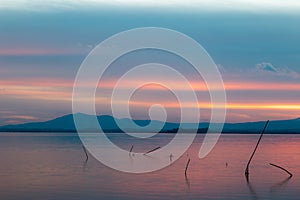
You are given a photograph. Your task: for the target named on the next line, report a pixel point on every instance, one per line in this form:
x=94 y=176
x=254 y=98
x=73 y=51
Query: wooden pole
x=282 y=169
x=131 y=149
x=152 y=150
x=186 y=167
x=86 y=154
x=262 y=133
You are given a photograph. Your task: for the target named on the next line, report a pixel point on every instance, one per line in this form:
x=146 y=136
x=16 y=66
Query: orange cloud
x=201 y=86
x=232 y=106
x=61 y=90
x=36 y=90
x=13 y=121
x=110 y=84
x=264 y=106
x=27 y=117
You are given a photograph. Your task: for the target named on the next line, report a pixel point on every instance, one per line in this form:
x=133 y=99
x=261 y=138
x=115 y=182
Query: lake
x=51 y=166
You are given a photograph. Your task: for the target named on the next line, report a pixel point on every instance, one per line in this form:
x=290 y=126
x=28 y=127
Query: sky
x=255 y=44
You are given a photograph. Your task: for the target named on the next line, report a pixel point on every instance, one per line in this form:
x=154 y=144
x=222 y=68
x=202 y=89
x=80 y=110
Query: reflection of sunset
x=57 y=165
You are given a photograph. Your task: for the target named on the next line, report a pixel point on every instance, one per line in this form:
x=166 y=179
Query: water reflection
x=50 y=167
x=279 y=186
x=187 y=182
x=253 y=193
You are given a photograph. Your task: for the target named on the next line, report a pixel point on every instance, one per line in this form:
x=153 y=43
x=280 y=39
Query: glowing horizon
x=60 y=90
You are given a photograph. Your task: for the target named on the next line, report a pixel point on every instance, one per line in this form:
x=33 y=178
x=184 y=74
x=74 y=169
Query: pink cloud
x=38 y=51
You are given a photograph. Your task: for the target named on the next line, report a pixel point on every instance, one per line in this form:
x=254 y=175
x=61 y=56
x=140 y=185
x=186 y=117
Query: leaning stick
x=282 y=169
x=86 y=154
x=262 y=133
x=186 y=167
x=152 y=150
x=131 y=149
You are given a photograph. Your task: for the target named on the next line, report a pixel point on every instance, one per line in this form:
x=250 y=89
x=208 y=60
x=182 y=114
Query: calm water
x=51 y=166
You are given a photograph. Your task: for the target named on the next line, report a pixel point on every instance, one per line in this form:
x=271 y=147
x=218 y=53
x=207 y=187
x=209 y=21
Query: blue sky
x=43 y=45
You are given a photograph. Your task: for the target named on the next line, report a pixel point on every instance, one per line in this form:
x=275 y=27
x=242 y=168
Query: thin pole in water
x=262 y=133
x=282 y=169
x=186 y=167
x=86 y=154
x=131 y=149
x=152 y=150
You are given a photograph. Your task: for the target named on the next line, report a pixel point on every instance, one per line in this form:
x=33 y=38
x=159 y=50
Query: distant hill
x=276 y=126
x=66 y=124
x=108 y=124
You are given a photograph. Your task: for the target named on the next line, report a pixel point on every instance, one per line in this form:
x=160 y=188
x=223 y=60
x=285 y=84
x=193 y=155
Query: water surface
x=51 y=166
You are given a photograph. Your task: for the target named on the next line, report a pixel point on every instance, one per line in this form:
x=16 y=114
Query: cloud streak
x=268 y=68
x=29 y=51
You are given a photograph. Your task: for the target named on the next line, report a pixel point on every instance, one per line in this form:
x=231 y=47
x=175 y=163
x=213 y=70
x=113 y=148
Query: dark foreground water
x=51 y=166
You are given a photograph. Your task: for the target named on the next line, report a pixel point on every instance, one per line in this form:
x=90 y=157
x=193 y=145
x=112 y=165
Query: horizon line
x=142 y=119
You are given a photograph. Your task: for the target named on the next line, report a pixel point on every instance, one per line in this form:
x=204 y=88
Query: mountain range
x=109 y=124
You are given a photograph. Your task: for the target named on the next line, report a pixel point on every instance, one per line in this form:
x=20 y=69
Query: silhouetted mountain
x=109 y=124
x=66 y=124
x=277 y=126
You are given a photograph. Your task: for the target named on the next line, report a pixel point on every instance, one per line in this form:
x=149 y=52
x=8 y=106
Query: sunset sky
x=255 y=44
